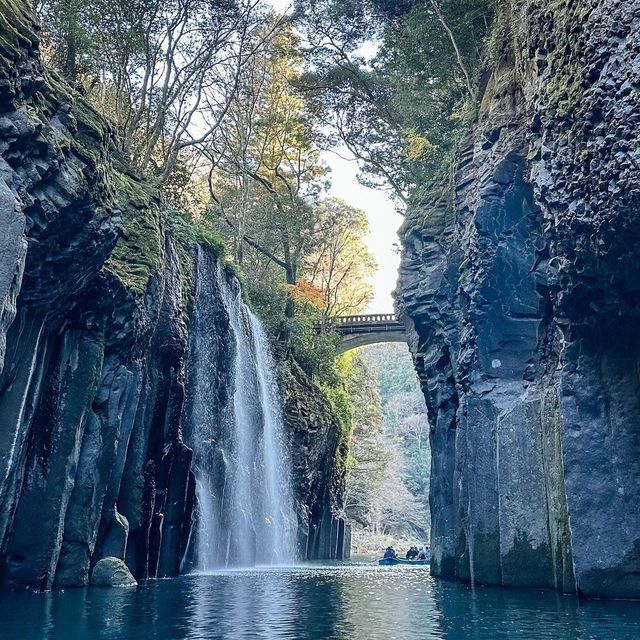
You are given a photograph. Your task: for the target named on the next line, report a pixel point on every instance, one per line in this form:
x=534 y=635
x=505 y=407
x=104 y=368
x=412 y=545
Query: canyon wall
x=97 y=301
x=520 y=288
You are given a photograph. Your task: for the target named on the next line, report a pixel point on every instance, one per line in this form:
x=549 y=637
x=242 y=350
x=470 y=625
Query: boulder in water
x=112 y=572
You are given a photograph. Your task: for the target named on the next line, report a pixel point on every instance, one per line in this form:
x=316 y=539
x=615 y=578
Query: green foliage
x=67 y=35
x=268 y=298
x=234 y=270
x=192 y=233
x=378 y=496
x=254 y=184
x=401 y=110
x=162 y=71
x=342 y=407
x=339 y=268
x=315 y=352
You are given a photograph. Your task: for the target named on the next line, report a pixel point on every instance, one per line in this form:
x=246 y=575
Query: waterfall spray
x=246 y=514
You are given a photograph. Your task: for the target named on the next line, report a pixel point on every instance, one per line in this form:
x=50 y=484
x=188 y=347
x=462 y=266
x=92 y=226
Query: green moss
x=563 y=19
x=16 y=38
x=234 y=270
x=564 y=90
x=17 y=29
x=343 y=411
x=191 y=234
x=91 y=140
x=213 y=243
x=342 y=407
x=139 y=251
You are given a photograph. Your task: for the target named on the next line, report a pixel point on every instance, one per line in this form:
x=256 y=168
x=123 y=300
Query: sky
x=384 y=222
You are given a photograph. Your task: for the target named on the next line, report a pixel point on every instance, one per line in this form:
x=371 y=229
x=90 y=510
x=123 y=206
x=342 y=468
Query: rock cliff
x=318 y=467
x=520 y=287
x=97 y=297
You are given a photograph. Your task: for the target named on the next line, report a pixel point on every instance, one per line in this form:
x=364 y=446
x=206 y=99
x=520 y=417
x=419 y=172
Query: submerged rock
x=112 y=572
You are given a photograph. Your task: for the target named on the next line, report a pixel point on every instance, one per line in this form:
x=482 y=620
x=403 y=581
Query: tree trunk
x=70 y=68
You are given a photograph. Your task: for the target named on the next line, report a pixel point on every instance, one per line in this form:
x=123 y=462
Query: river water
x=313 y=602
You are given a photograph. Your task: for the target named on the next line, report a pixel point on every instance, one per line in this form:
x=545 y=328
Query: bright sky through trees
x=384 y=221
x=383 y=225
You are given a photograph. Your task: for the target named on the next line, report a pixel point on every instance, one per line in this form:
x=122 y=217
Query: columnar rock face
x=520 y=287
x=96 y=304
x=318 y=451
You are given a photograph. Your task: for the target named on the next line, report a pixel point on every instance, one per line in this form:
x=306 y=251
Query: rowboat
x=395 y=561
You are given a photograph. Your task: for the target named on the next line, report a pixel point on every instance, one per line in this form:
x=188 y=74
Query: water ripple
x=312 y=602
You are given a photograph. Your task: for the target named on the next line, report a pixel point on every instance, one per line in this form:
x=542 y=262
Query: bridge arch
x=361 y=330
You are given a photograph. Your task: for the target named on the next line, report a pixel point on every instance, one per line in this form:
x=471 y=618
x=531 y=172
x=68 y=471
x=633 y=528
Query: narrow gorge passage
x=289 y=286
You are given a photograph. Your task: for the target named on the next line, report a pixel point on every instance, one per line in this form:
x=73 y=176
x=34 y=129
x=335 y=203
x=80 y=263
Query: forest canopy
x=229 y=107
x=395 y=82
x=205 y=100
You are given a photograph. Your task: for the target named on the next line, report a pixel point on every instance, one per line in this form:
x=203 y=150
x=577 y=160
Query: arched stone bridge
x=359 y=331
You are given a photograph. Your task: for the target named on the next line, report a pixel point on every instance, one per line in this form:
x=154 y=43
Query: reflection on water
x=354 y=602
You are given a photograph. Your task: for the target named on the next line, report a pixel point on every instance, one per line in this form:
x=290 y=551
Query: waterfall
x=246 y=514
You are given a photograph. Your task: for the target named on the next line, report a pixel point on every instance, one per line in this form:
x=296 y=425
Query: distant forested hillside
x=389 y=466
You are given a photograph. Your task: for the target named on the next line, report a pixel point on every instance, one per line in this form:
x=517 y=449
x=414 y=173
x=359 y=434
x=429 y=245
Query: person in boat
x=390 y=554
x=412 y=553
x=422 y=554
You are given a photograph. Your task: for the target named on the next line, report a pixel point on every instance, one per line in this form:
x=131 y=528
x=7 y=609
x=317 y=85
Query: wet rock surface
x=318 y=457
x=96 y=304
x=112 y=572
x=519 y=287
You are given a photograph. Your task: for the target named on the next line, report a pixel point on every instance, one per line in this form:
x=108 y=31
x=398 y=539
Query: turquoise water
x=354 y=602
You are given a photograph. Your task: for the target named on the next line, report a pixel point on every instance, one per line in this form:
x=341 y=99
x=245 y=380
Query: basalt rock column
x=519 y=288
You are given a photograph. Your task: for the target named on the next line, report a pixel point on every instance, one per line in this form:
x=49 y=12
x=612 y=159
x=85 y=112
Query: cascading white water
x=246 y=514
x=281 y=526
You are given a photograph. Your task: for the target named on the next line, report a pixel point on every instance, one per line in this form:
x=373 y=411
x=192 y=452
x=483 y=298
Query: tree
x=398 y=109
x=67 y=35
x=341 y=265
x=279 y=159
x=165 y=71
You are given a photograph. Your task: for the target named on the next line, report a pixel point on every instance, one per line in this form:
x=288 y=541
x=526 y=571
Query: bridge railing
x=364 y=323
x=371 y=318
